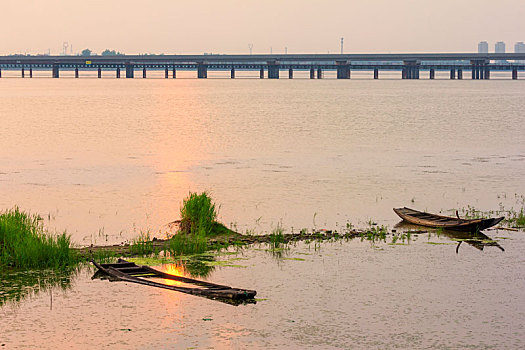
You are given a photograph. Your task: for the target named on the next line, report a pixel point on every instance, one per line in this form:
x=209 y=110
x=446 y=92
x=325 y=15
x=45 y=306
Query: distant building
x=519 y=48
x=483 y=47
x=499 y=47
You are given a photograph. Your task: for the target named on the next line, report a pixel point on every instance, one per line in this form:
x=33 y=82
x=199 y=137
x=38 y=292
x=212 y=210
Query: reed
x=198 y=215
x=184 y=244
x=142 y=245
x=277 y=237
x=198 y=223
x=24 y=243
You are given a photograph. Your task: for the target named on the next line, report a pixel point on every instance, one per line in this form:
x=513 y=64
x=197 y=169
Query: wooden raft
x=130 y=272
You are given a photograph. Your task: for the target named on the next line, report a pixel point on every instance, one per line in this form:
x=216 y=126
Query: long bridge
x=409 y=65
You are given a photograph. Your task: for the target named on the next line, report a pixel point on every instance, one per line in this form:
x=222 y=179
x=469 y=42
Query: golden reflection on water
x=173 y=269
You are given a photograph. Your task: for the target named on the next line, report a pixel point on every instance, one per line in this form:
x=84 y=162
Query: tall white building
x=519 y=48
x=499 y=47
x=483 y=47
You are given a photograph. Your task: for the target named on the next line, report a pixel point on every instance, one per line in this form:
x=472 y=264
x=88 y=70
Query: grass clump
x=25 y=244
x=198 y=215
x=198 y=223
x=277 y=237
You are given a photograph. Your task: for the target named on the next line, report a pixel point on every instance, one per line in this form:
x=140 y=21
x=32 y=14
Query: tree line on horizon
x=106 y=52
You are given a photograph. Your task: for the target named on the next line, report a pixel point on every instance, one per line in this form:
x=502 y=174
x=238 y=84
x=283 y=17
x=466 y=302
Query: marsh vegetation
x=25 y=244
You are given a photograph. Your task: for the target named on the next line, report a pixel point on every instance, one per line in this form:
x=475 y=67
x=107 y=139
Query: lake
x=107 y=159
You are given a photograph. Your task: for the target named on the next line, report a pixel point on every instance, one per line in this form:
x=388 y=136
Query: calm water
x=106 y=159
x=118 y=156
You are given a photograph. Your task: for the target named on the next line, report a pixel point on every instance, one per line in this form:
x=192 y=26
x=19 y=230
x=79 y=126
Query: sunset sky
x=228 y=26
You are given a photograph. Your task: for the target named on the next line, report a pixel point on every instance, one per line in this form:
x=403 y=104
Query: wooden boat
x=130 y=272
x=446 y=222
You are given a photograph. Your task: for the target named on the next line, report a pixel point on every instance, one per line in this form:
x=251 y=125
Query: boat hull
x=438 y=221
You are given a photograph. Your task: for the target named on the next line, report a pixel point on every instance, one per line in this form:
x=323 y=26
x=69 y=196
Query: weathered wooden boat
x=446 y=222
x=130 y=272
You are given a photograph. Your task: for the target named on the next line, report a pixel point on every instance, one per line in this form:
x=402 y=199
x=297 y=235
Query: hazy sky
x=227 y=26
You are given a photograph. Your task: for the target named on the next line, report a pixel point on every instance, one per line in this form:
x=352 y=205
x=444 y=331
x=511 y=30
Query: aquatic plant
x=375 y=233
x=516 y=219
x=198 y=214
x=142 y=245
x=198 y=223
x=277 y=237
x=24 y=243
x=186 y=244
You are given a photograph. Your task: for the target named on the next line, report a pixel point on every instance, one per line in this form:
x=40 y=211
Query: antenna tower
x=342 y=45
x=250 y=46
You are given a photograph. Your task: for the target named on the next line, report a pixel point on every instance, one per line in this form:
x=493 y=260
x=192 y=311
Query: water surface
x=106 y=159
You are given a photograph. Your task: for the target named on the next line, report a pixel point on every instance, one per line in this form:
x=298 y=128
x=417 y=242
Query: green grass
x=198 y=223
x=277 y=237
x=198 y=215
x=375 y=233
x=517 y=219
x=142 y=245
x=25 y=244
x=185 y=244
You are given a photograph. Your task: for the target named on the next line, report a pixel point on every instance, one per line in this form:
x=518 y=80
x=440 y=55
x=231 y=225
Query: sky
x=228 y=26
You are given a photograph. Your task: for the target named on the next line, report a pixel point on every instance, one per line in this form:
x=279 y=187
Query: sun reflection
x=174 y=269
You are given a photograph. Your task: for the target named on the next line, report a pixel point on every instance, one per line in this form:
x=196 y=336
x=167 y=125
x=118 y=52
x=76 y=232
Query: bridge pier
x=432 y=73
x=130 y=70
x=411 y=69
x=76 y=72
x=453 y=73
x=23 y=72
x=480 y=69
x=30 y=72
x=232 y=73
x=376 y=73
x=55 y=71
x=174 y=73
x=312 y=73
x=0 y=72
x=460 y=74
x=319 y=73
x=144 y=73
x=99 y=73
x=514 y=73
x=290 y=73
x=261 y=73
x=118 y=72
x=343 y=69
x=273 y=69
x=202 y=70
